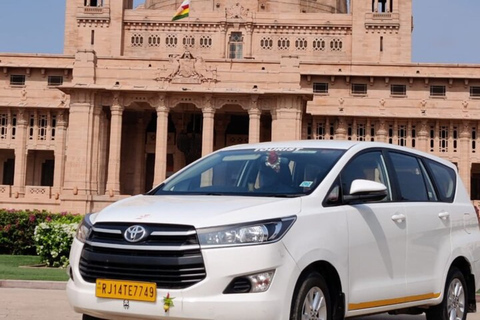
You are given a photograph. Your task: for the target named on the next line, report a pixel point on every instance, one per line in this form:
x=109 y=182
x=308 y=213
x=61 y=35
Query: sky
x=444 y=30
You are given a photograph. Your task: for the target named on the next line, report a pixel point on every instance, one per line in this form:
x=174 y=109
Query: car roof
x=330 y=144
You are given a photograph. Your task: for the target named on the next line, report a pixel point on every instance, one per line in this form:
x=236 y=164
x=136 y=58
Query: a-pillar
x=208 y=126
x=287 y=119
x=161 y=140
x=254 y=124
x=60 y=137
x=465 y=166
x=20 y=155
x=115 y=150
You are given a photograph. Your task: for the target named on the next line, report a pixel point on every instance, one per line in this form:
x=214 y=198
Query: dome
x=271 y=6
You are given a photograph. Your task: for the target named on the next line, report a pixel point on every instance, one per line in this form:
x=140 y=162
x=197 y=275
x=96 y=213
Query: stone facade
x=135 y=97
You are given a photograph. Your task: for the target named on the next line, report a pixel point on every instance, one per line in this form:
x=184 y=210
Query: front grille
x=169 y=255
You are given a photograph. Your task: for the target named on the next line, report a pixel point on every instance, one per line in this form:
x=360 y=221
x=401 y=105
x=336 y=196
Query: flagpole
x=189 y=25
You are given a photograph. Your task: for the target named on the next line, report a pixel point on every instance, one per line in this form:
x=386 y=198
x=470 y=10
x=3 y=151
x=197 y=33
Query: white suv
x=292 y=230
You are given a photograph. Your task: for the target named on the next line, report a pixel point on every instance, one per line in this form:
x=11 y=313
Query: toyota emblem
x=135 y=233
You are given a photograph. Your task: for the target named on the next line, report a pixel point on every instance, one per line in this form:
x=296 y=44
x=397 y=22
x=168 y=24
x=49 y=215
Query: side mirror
x=365 y=191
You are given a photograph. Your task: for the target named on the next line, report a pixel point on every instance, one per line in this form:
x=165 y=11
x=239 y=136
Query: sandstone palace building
x=135 y=96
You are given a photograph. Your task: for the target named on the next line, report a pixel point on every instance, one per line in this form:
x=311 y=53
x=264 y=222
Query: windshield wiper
x=207 y=194
x=279 y=195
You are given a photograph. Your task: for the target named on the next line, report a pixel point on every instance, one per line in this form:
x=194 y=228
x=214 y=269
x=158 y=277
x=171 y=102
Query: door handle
x=398 y=217
x=444 y=215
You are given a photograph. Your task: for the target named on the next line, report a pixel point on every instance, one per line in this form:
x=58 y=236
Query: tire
x=311 y=300
x=454 y=304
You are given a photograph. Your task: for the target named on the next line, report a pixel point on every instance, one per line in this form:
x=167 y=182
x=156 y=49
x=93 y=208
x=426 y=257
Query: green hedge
x=17 y=228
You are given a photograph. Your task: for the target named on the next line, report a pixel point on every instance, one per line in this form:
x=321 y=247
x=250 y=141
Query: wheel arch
x=462 y=264
x=334 y=284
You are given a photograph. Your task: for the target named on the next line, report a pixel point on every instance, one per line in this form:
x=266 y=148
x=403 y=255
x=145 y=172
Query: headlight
x=84 y=229
x=245 y=234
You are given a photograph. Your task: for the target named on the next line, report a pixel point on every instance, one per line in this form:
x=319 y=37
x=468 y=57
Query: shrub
x=17 y=228
x=53 y=240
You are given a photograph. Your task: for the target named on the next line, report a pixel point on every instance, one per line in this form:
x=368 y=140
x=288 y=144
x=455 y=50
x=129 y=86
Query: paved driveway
x=41 y=304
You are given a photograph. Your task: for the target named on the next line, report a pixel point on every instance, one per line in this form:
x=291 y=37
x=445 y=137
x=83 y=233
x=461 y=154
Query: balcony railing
x=93 y=13
x=5 y=191
x=382 y=16
x=38 y=192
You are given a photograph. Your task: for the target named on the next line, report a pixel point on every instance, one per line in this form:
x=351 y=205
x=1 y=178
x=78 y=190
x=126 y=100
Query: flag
x=182 y=11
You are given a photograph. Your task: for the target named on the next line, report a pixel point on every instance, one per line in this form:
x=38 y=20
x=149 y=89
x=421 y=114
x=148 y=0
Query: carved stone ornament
x=185 y=68
x=237 y=11
x=24 y=94
x=117 y=99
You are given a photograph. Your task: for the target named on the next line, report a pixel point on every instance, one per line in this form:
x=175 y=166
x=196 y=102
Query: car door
x=428 y=227
x=377 y=239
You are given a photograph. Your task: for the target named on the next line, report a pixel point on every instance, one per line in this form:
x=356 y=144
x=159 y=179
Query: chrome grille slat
x=141 y=247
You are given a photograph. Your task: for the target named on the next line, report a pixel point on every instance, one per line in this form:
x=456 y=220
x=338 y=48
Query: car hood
x=199 y=211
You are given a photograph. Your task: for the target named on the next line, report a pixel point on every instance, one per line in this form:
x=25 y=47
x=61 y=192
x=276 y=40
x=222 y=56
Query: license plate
x=126 y=290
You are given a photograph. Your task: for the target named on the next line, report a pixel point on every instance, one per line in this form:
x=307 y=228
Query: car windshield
x=280 y=172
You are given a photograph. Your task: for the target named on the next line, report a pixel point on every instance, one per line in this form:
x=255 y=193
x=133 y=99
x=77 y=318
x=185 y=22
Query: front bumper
x=204 y=300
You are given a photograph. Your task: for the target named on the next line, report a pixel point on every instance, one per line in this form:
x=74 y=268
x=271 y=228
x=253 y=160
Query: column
x=341 y=129
x=248 y=40
x=102 y=152
x=93 y=166
x=161 y=141
x=60 y=136
x=208 y=125
x=139 y=162
x=223 y=33
x=368 y=130
x=114 y=158
x=409 y=134
x=178 y=156
x=221 y=124
x=464 y=165
x=423 y=136
x=254 y=125
x=382 y=131
x=287 y=119
x=20 y=154
x=78 y=156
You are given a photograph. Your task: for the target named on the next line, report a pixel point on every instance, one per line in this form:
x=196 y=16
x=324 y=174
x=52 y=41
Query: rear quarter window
x=445 y=180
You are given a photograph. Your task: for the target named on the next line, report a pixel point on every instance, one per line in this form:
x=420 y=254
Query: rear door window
x=410 y=177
